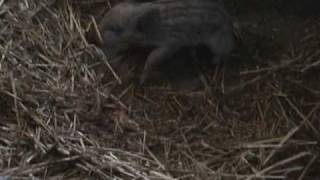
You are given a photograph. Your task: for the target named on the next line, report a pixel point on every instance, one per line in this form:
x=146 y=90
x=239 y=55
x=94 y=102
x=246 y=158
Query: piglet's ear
x=148 y=21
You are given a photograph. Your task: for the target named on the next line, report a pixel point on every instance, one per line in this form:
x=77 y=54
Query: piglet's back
x=197 y=19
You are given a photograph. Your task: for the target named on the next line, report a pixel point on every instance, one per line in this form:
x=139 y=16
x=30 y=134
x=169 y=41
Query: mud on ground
x=64 y=114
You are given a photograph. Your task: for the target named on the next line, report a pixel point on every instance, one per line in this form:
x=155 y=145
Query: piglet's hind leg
x=155 y=58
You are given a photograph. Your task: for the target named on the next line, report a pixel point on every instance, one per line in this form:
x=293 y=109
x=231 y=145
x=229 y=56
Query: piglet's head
x=126 y=24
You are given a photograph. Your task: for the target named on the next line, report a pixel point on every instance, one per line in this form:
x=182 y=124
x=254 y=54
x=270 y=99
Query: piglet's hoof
x=143 y=79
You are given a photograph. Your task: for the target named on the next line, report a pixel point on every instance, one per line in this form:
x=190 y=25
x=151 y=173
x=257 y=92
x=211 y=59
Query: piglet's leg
x=155 y=58
x=221 y=45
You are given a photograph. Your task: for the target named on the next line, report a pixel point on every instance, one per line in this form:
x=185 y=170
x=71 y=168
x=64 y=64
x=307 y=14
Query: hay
x=64 y=115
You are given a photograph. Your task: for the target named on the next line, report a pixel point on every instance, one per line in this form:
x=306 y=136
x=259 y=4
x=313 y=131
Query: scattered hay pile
x=62 y=117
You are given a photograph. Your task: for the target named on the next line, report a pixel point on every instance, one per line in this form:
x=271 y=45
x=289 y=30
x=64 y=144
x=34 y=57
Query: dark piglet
x=166 y=26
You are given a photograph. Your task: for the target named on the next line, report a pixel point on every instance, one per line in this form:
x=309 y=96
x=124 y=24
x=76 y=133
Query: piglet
x=166 y=26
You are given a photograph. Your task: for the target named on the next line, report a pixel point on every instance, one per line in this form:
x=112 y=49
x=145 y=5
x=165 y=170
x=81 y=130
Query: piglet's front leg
x=155 y=58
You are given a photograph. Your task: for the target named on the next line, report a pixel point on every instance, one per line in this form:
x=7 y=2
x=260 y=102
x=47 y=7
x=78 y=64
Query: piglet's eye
x=115 y=29
x=110 y=37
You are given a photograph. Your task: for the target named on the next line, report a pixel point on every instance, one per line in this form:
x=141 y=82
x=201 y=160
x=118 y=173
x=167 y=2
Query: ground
x=65 y=115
